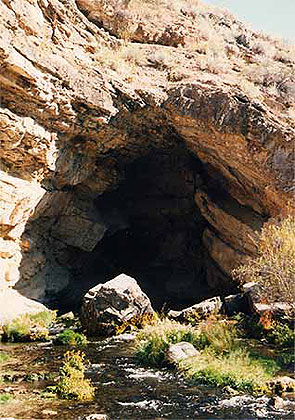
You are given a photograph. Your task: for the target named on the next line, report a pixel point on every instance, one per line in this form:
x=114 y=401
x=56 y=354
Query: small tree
x=274 y=266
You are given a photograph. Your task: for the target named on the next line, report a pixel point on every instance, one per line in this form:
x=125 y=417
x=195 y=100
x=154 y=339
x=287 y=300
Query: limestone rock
x=202 y=309
x=18 y=198
x=282 y=404
x=253 y=292
x=107 y=306
x=13 y=304
x=282 y=384
x=254 y=295
x=90 y=87
x=180 y=351
x=278 y=309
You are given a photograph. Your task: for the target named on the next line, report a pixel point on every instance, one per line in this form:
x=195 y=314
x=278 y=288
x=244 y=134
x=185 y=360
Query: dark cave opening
x=154 y=232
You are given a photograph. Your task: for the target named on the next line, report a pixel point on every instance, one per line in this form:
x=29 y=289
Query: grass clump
x=237 y=370
x=219 y=335
x=70 y=338
x=274 y=267
x=29 y=327
x=4 y=357
x=222 y=361
x=153 y=340
x=5 y=398
x=72 y=384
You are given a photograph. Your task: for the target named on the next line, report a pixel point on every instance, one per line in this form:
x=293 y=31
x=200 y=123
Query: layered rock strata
x=82 y=101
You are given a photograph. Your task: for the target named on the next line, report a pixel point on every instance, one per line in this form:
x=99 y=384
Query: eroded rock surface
x=108 y=306
x=87 y=107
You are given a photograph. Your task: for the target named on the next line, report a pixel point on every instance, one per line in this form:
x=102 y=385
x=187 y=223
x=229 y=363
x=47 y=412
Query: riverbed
x=124 y=390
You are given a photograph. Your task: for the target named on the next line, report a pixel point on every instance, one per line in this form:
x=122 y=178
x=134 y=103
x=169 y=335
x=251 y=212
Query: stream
x=123 y=389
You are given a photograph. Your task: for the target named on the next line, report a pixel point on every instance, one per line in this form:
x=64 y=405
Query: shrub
x=268 y=329
x=72 y=383
x=71 y=338
x=274 y=267
x=286 y=359
x=281 y=335
x=29 y=327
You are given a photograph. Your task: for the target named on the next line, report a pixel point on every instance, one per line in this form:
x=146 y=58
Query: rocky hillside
x=155 y=136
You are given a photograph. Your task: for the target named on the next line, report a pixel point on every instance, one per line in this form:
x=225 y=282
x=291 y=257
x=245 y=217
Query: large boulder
x=13 y=304
x=108 y=306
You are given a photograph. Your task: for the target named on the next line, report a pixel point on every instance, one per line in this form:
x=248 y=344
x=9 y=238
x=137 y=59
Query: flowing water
x=123 y=389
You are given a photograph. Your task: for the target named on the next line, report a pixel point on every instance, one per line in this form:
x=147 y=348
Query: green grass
x=5 y=398
x=70 y=338
x=4 y=357
x=153 y=340
x=236 y=369
x=220 y=335
x=222 y=361
x=29 y=327
x=44 y=318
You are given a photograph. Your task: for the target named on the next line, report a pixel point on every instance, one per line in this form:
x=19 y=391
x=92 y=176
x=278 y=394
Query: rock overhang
x=87 y=121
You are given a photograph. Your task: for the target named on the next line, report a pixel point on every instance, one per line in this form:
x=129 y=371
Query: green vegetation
x=4 y=357
x=281 y=335
x=222 y=360
x=29 y=327
x=71 y=338
x=5 y=398
x=72 y=383
x=286 y=359
x=220 y=335
x=137 y=322
x=274 y=267
x=274 y=332
x=68 y=319
x=237 y=370
x=153 y=340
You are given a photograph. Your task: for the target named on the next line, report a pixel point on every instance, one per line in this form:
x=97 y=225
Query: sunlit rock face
x=128 y=154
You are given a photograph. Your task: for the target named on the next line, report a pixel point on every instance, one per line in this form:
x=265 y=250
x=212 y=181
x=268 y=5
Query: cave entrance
x=155 y=231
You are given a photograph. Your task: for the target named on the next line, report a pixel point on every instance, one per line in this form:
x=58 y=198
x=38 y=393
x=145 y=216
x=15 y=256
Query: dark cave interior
x=155 y=233
x=153 y=230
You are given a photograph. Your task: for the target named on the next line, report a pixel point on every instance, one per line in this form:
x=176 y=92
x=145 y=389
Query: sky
x=276 y=17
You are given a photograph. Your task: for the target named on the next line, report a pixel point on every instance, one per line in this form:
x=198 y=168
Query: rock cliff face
x=133 y=143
